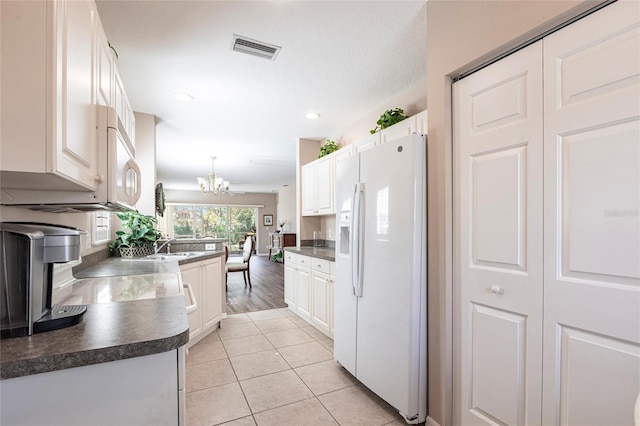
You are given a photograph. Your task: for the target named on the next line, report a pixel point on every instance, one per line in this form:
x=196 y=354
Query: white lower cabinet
x=191 y=275
x=289 y=285
x=303 y=285
x=308 y=290
x=212 y=274
x=206 y=279
x=320 y=284
x=142 y=390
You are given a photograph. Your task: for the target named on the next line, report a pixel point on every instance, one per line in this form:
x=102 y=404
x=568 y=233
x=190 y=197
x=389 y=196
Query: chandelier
x=212 y=184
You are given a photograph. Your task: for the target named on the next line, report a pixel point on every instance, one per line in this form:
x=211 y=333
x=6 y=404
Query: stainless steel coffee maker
x=27 y=254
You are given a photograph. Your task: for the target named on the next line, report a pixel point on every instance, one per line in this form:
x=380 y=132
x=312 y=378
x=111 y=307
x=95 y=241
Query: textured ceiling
x=338 y=58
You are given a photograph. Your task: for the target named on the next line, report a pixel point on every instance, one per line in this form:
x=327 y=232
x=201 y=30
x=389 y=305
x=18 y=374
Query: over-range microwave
x=118 y=176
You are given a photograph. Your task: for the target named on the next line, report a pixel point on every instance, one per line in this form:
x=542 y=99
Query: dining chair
x=243 y=267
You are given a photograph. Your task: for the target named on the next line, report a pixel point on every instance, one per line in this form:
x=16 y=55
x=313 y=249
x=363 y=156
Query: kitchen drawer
x=320 y=265
x=303 y=261
x=290 y=257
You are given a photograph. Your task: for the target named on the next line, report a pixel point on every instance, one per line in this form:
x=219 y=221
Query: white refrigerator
x=380 y=293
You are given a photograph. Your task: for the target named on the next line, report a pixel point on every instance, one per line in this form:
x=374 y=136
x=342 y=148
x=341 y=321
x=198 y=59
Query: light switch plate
x=210 y=246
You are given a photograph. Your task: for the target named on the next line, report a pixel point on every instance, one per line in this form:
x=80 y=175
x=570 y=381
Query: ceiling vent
x=255 y=47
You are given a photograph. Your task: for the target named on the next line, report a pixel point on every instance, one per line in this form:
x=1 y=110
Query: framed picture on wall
x=267 y=220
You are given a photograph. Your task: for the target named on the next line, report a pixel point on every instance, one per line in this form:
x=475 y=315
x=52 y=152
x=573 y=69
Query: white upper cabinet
x=344 y=152
x=324 y=186
x=317 y=187
x=308 y=190
x=110 y=88
x=422 y=122
x=48 y=95
x=56 y=66
x=366 y=142
x=104 y=69
x=414 y=124
x=318 y=177
x=123 y=108
x=398 y=130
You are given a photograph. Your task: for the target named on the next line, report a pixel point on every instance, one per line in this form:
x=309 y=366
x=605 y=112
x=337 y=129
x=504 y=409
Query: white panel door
x=592 y=225
x=498 y=227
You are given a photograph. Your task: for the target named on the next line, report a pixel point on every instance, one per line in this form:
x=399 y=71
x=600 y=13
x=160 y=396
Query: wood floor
x=267 y=278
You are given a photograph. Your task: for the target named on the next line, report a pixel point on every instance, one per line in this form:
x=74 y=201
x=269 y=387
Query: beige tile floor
x=272 y=368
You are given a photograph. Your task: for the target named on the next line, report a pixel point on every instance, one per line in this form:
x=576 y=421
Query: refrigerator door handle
x=354 y=239
x=357 y=233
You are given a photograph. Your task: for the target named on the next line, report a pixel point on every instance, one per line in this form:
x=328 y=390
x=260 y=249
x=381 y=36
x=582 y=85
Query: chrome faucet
x=166 y=243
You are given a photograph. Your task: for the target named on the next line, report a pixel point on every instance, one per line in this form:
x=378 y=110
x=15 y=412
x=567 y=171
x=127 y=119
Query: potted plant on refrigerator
x=388 y=119
x=329 y=147
x=140 y=237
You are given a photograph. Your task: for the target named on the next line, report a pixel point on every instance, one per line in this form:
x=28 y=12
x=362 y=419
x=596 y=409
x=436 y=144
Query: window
x=201 y=221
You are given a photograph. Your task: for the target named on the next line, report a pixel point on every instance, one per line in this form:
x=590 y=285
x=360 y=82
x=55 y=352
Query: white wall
x=461 y=34
x=248 y=199
x=146 y=159
x=287 y=207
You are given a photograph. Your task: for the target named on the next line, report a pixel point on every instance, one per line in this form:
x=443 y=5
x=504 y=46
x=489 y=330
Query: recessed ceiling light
x=312 y=115
x=183 y=97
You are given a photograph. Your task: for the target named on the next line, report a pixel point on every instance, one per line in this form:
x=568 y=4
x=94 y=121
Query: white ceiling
x=338 y=58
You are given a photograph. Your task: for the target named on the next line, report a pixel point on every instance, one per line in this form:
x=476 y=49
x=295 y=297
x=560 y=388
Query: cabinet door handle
x=194 y=303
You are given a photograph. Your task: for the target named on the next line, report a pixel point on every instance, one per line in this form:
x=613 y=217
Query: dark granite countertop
x=109 y=331
x=319 y=252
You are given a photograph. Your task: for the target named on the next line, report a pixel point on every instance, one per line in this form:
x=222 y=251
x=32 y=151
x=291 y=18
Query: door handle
x=497 y=290
x=194 y=303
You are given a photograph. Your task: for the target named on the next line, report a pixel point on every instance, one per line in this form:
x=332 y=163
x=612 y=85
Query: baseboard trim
x=431 y=422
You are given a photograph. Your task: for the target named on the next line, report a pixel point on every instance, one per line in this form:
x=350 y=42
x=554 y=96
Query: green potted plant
x=277 y=257
x=329 y=147
x=141 y=237
x=389 y=118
